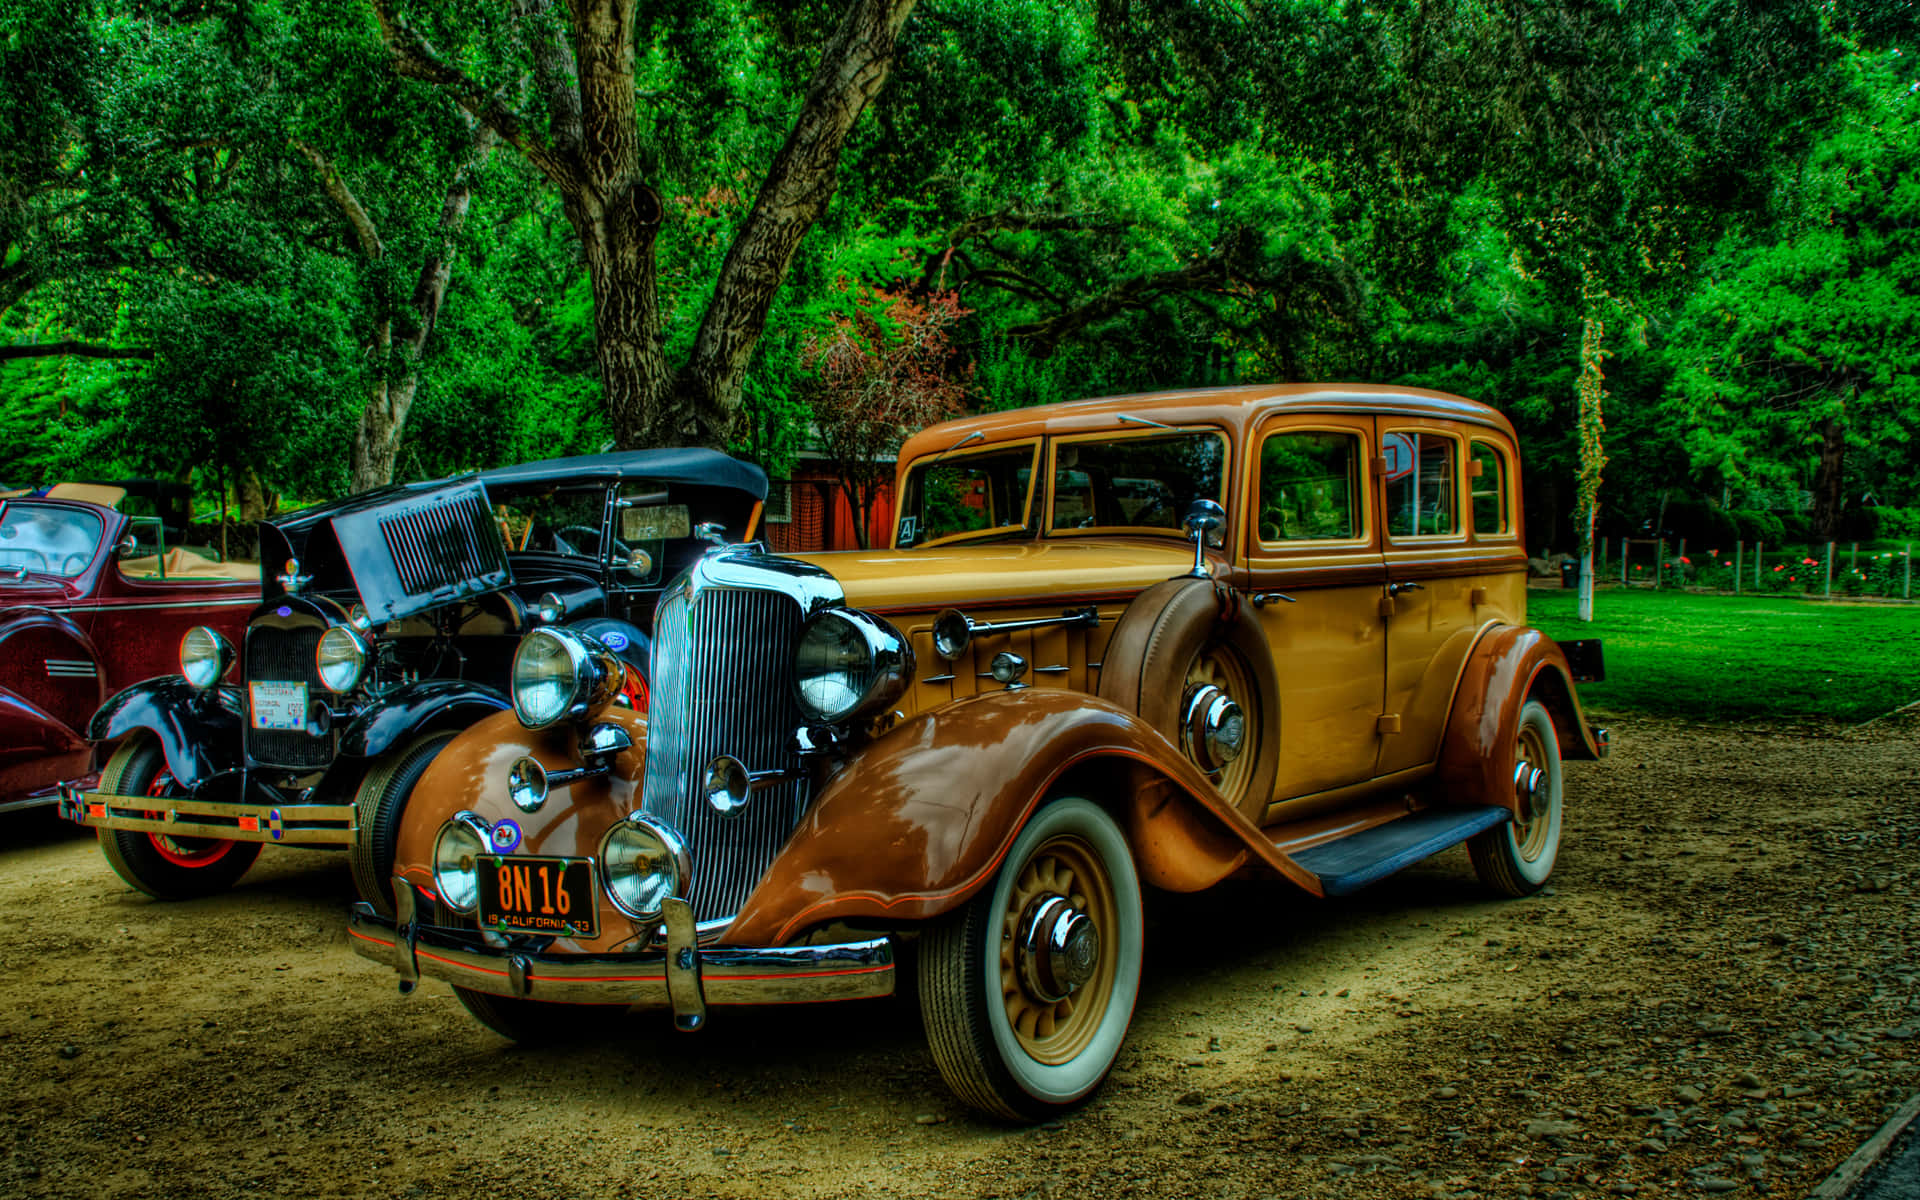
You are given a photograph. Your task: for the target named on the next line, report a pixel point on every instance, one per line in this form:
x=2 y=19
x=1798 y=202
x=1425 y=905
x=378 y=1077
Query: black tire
x=541 y=1022
x=164 y=867
x=378 y=806
x=1002 y=1044
x=1515 y=858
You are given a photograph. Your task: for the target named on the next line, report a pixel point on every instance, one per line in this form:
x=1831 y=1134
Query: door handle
x=1394 y=589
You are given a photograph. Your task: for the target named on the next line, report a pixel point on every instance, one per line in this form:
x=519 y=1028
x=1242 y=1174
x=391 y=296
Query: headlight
x=204 y=656
x=558 y=674
x=340 y=658
x=456 y=862
x=642 y=864
x=850 y=664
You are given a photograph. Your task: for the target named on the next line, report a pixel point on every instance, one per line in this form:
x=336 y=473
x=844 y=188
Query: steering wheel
x=620 y=549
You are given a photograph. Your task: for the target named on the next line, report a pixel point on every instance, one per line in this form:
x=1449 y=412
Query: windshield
x=1135 y=482
x=983 y=494
x=47 y=539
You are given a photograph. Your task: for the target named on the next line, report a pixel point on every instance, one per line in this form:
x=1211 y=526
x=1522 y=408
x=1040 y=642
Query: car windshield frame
x=1178 y=505
x=66 y=517
x=914 y=478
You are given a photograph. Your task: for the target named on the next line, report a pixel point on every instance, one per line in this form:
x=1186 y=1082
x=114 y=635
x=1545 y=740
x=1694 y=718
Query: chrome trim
x=953 y=630
x=596 y=674
x=1204 y=519
x=938 y=679
x=728 y=974
x=223 y=655
x=527 y=784
x=683 y=968
x=473 y=823
x=189 y=816
x=1262 y=599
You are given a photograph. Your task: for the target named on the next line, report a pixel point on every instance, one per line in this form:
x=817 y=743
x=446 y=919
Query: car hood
x=998 y=574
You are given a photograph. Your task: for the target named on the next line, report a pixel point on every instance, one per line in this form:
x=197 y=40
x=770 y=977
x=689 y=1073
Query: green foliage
x=1740 y=658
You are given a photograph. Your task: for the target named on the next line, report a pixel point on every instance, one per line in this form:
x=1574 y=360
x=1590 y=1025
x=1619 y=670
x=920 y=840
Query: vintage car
x=1150 y=641
x=391 y=626
x=91 y=599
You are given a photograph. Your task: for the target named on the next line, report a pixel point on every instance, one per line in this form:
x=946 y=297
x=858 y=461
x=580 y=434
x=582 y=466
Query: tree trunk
x=1827 y=480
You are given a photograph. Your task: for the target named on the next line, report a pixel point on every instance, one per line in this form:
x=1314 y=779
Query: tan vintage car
x=1118 y=644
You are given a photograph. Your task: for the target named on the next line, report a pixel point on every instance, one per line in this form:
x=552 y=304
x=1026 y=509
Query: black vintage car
x=388 y=622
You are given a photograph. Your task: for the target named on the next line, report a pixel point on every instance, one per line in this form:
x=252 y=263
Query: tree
x=883 y=371
x=590 y=152
x=1799 y=352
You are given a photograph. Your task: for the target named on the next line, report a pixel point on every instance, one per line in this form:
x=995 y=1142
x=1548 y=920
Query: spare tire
x=1188 y=633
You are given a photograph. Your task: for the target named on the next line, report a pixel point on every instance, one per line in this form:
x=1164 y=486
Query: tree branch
x=415 y=58
x=348 y=204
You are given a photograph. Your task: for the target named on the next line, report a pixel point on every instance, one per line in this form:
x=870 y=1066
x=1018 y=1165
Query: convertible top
x=680 y=465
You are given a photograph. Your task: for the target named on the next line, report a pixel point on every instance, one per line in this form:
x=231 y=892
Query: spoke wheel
x=165 y=866
x=1222 y=666
x=1027 y=990
x=1516 y=858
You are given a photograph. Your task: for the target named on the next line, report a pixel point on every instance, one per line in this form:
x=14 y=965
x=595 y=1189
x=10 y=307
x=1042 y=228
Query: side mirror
x=129 y=547
x=1205 y=522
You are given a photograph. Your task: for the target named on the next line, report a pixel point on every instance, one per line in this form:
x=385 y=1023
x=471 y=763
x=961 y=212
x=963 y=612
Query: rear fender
x=921 y=818
x=197 y=731
x=1510 y=665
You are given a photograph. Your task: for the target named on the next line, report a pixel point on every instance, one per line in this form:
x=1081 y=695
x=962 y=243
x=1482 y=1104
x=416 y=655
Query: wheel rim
x=1054 y=1032
x=183 y=852
x=1222 y=667
x=1531 y=835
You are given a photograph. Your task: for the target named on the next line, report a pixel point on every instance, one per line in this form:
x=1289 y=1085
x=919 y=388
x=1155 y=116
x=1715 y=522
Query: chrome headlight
x=340 y=658
x=456 y=861
x=204 y=656
x=850 y=664
x=643 y=863
x=558 y=673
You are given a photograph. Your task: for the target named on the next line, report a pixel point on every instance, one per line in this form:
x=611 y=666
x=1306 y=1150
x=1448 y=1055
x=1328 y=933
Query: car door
x=1430 y=583
x=1313 y=538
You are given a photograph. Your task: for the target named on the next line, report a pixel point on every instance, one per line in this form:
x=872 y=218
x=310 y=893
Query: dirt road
x=1716 y=996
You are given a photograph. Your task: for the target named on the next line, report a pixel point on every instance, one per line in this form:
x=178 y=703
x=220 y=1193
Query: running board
x=1350 y=863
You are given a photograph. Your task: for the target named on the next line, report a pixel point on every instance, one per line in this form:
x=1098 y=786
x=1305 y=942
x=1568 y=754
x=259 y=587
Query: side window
x=1487 y=476
x=1309 y=487
x=1421 y=501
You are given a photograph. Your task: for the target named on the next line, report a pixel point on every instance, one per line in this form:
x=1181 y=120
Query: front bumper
x=185 y=816
x=682 y=975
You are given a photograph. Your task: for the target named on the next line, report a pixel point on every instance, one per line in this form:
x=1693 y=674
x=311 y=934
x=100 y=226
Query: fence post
x=1679 y=568
x=1906 y=592
x=1829 y=585
x=1738 y=563
x=1853 y=556
x=1659 y=557
x=1626 y=552
x=1759 y=552
x=1600 y=567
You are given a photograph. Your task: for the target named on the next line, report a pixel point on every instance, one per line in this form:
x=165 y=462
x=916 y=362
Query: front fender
x=1510 y=665
x=470 y=775
x=920 y=819
x=417 y=708
x=198 y=733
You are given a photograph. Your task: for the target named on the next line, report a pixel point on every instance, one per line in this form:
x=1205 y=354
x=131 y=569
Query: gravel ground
x=1715 y=997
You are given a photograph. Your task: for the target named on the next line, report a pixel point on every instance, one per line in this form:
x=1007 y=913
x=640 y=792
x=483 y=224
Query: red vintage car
x=91 y=601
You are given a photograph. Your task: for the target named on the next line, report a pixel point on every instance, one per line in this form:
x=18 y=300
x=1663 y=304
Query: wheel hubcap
x=1220 y=734
x=1534 y=790
x=1057 y=949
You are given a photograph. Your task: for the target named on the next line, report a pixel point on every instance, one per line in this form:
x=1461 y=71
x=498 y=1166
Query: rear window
x=1422 y=500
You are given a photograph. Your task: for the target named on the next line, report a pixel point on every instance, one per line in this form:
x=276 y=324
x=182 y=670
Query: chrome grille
x=284 y=653
x=723 y=684
x=445 y=544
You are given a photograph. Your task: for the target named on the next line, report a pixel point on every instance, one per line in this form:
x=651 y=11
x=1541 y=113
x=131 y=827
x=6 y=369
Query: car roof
x=1236 y=408
x=686 y=465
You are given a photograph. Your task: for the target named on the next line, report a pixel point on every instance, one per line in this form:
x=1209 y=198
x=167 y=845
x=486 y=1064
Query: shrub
x=1700 y=523
x=1755 y=525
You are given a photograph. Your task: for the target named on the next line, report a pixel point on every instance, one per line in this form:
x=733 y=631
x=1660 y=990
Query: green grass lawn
x=1739 y=657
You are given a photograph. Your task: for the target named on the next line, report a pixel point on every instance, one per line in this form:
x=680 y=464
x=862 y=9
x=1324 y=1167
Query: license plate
x=278 y=705
x=537 y=895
